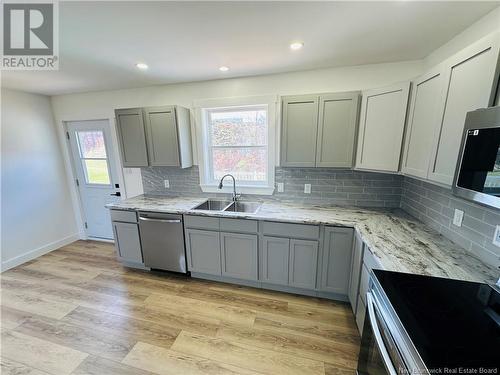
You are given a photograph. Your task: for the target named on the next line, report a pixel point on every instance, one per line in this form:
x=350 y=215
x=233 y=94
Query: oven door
x=378 y=353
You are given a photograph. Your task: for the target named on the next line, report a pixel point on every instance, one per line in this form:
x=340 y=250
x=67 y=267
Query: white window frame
x=202 y=108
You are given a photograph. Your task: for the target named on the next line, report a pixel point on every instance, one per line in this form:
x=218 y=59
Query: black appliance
x=428 y=325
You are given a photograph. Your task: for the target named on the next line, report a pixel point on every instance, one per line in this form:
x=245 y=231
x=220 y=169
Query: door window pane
x=91 y=144
x=93 y=156
x=96 y=171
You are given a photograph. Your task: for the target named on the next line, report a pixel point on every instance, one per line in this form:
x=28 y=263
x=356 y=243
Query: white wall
x=37 y=213
x=99 y=105
x=486 y=25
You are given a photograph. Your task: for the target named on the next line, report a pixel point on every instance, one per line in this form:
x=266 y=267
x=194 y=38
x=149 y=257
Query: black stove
x=454 y=325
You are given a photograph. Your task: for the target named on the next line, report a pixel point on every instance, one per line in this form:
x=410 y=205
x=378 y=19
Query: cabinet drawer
x=290 y=230
x=238 y=225
x=124 y=216
x=201 y=222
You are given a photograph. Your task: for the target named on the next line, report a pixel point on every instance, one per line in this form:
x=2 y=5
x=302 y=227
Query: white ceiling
x=100 y=42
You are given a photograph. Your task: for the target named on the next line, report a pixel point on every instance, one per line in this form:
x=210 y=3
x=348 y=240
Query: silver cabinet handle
x=378 y=337
x=160 y=220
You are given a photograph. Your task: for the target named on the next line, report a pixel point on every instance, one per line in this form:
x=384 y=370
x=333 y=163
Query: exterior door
x=97 y=178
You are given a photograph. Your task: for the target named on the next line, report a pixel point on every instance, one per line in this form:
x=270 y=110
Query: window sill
x=228 y=189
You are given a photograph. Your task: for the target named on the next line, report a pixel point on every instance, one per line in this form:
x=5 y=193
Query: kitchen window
x=238 y=140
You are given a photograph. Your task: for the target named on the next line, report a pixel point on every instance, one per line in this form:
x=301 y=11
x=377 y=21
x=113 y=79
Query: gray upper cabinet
x=337 y=252
x=155 y=136
x=319 y=130
x=161 y=128
x=132 y=137
x=203 y=251
x=303 y=264
x=239 y=255
x=274 y=258
x=338 y=116
x=381 y=127
x=299 y=131
x=356 y=264
x=471 y=77
x=422 y=121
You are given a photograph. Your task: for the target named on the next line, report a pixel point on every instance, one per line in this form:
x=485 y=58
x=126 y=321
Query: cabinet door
x=132 y=137
x=383 y=113
x=239 y=255
x=163 y=141
x=203 y=251
x=127 y=242
x=356 y=263
x=298 y=131
x=303 y=264
x=471 y=79
x=338 y=116
x=423 y=121
x=337 y=252
x=275 y=257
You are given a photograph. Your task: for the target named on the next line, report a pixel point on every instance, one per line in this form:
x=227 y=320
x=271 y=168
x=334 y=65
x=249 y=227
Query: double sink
x=228 y=206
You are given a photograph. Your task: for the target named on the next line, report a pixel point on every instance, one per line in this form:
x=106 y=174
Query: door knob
x=118 y=194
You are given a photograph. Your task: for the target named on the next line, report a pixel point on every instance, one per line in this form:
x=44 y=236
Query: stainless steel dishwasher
x=162 y=239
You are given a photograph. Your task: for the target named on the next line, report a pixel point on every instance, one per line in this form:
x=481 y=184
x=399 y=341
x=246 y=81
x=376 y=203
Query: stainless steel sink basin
x=213 y=205
x=250 y=207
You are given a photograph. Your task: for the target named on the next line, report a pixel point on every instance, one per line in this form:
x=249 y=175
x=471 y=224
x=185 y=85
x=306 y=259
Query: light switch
x=281 y=187
x=496 y=236
x=307 y=188
x=167 y=184
x=458 y=218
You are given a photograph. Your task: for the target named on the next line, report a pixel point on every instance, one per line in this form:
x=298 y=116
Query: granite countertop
x=398 y=241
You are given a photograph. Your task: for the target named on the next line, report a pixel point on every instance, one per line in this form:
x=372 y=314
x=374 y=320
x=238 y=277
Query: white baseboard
x=42 y=250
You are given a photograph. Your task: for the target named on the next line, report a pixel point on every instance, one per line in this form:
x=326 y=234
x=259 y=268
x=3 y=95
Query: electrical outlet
x=307 y=188
x=496 y=236
x=458 y=218
x=281 y=187
x=167 y=184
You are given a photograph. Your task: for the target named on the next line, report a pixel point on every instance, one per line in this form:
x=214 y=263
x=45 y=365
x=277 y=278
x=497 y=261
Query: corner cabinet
x=381 y=128
x=440 y=100
x=319 y=130
x=422 y=121
x=154 y=136
x=337 y=252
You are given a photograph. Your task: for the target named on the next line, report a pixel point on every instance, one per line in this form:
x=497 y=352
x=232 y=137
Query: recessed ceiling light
x=141 y=66
x=296 y=45
x=224 y=68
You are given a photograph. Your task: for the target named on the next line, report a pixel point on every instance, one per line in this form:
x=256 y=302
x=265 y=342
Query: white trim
x=271 y=102
x=35 y=253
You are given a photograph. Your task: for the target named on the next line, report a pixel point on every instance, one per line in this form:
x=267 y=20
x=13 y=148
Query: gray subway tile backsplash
x=328 y=185
x=434 y=205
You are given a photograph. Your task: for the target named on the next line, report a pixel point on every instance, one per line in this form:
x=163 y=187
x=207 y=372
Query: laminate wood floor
x=78 y=311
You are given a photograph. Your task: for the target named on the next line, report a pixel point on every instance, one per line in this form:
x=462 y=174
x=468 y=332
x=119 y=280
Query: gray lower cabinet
x=127 y=242
x=337 y=251
x=275 y=257
x=239 y=255
x=356 y=264
x=303 y=264
x=203 y=251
